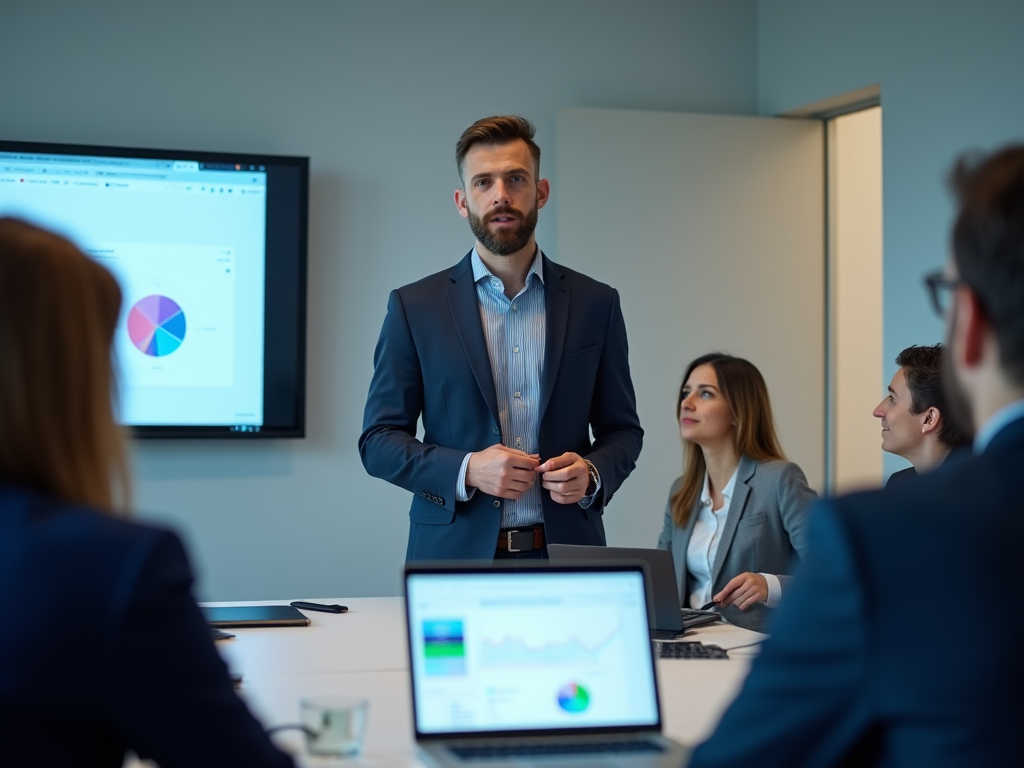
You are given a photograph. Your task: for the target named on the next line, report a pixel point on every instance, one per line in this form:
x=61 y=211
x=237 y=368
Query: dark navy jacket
x=432 y=359
x=103 y=648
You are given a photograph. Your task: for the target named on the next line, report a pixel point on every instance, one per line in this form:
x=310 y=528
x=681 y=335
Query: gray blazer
x=765 y=532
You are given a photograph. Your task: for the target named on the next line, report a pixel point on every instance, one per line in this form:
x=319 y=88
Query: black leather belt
x=525 y=539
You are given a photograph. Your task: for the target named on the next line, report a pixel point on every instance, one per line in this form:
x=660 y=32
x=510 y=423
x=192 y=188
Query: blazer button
x=497 y=503
x=494 y=430
x=440 y=500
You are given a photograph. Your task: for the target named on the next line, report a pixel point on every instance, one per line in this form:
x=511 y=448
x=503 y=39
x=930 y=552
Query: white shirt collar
x=480 y=269
x=996 y=422
x=705 y=494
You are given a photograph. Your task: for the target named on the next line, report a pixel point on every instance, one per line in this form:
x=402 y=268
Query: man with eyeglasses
x=898 y=643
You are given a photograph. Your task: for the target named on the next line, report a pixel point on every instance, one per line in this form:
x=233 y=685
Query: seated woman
x=103 y=648
x=735 y=519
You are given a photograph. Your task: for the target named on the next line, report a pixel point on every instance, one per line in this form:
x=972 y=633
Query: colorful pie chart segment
x=156 y=325
x=573 y=698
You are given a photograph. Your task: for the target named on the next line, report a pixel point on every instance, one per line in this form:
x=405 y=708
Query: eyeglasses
x=940 y=291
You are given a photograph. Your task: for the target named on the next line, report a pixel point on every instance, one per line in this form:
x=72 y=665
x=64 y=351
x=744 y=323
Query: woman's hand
x=745 y=590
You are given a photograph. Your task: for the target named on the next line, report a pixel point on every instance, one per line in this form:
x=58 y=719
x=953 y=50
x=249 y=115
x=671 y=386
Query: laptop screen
x=550 y=649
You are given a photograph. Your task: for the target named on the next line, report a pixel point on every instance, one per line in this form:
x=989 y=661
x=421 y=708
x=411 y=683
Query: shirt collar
x=730 y=487
x=480 y=269
x=998 y=420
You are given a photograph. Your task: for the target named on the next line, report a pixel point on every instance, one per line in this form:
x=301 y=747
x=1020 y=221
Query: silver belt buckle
x=508 y=541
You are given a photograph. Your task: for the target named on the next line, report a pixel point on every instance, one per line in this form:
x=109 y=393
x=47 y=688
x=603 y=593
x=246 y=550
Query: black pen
x=302 y=605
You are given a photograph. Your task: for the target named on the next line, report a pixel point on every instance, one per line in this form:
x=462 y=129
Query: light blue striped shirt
x=516 y=331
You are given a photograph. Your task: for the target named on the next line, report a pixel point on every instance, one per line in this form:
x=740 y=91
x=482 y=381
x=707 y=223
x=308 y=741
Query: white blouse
x=703 y=546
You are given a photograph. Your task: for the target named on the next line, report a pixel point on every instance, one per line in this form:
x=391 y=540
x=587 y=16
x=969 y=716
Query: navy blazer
x=103 y=649
x=899 y=642
x=897 y=479
x=431 y=360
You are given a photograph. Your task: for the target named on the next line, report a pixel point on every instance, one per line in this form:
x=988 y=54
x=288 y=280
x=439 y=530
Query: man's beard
x=956 y=398
x=504 y=242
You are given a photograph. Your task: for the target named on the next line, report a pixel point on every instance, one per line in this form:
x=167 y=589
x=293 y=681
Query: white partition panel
x=712 y=230
x=855 y=229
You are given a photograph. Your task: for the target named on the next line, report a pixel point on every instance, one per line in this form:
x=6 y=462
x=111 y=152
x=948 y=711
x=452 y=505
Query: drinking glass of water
x=334 y=725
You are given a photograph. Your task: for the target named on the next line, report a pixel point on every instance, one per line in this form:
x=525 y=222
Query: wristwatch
x=595 y=480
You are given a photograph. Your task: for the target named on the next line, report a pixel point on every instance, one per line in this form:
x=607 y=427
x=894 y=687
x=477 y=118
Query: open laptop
x=668 y=620
x=542 y=665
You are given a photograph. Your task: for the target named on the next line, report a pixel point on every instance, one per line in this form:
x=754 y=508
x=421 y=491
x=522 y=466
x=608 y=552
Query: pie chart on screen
x=156 y=325
x=573 y=698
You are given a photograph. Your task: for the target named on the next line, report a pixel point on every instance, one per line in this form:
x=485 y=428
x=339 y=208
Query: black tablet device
x=255 y=616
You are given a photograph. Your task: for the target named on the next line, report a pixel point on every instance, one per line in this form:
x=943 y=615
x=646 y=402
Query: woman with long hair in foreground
x=103 y=648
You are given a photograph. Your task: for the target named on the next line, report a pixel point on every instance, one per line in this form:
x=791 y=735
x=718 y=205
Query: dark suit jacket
x=431 y=359
x=765 y=532
x=866 y=664
x=897 y=479
x=960 y=453
x=103 y=649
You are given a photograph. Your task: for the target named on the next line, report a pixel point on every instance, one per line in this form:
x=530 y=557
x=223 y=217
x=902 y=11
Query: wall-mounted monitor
x=210 y=251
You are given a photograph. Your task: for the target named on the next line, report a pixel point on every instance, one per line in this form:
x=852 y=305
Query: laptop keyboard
x=691 y=650
x=500 y=751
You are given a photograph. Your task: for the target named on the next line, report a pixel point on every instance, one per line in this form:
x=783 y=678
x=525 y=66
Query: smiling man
x=512 y=361
x=916 y=422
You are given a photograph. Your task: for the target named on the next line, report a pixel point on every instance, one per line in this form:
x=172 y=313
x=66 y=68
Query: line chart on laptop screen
x=513 y=650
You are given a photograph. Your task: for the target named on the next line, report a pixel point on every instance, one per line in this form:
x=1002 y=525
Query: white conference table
x=363 y=653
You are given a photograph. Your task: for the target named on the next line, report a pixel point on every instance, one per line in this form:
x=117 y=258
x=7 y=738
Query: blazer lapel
x=466 y=316
x=741 y=491
x=556 y=303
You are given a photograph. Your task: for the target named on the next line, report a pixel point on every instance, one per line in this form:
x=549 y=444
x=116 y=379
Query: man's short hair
x=922 y=368
x=499 y=129
x=988 y=245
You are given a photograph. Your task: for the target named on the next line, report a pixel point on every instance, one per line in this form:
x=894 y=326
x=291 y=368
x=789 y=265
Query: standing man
x=511 y=360
x=865 y=665
x=916 y=422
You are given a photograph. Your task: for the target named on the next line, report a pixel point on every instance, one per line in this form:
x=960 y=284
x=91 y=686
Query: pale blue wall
x=952 y=78
x=376 y=93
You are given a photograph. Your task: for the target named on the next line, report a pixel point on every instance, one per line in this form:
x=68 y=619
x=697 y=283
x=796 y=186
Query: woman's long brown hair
x=58 y=311
x=744 y=391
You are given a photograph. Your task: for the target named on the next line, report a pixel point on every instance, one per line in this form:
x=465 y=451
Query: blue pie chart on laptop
x=573 y=698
